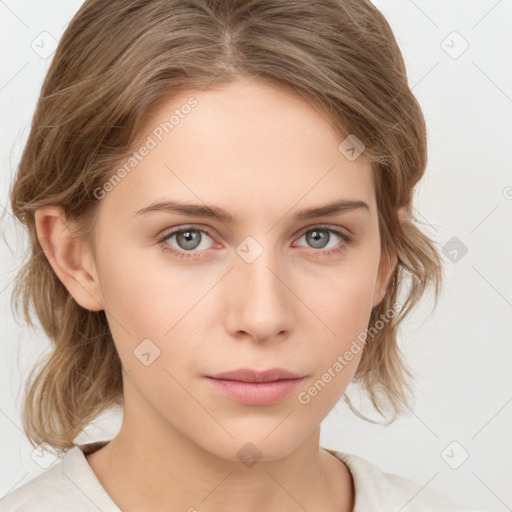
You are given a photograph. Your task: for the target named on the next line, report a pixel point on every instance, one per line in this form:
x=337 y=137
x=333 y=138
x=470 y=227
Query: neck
x=147 y=468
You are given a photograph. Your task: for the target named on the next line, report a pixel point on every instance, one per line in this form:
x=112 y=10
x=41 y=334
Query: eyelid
x=183 y=227
x=320 y=225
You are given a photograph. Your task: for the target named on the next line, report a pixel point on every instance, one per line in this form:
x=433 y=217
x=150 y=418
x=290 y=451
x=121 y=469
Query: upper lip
x=250 y=375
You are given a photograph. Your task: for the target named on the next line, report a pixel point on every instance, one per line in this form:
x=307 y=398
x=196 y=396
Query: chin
x=257 y=446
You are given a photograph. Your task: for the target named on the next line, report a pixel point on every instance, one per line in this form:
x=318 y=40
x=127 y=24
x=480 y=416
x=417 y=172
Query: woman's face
x=266 y=288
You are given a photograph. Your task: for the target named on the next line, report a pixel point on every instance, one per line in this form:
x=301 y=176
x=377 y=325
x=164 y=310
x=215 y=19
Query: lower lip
x=255 y=393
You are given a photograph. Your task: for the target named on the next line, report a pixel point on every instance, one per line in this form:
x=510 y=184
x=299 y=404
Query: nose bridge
x=262 y=276
x=261 y=301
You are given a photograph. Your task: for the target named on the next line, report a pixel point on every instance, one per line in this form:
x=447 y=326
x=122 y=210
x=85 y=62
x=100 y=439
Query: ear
x=387 y=266
x=69 y=257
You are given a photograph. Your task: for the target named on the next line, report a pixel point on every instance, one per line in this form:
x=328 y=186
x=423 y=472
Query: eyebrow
x=214 y=212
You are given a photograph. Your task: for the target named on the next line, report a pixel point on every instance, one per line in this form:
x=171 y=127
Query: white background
x=461 y=352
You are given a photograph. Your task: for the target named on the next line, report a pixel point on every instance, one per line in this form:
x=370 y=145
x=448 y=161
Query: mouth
x=253 y=387
x=250 y=375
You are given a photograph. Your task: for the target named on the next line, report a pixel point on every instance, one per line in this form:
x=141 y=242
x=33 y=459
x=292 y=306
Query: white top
x=71 y=486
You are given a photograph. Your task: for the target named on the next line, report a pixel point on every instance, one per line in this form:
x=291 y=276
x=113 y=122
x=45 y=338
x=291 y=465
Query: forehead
x=247 y=146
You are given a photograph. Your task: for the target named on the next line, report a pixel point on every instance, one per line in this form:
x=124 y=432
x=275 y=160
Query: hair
x=115 y=64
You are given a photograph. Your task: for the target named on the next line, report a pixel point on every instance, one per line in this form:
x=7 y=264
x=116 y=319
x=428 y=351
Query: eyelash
x=346 y=241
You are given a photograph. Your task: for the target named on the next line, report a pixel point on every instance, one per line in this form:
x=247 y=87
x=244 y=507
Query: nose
x=259 y=299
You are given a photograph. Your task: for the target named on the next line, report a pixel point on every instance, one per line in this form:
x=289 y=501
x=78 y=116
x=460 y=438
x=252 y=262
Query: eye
x=320 y=237
x=187 y=240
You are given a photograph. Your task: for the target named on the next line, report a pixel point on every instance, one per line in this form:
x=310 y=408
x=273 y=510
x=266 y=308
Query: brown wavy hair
x=115 y=64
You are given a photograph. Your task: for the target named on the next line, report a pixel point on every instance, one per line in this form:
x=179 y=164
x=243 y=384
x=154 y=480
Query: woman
x=218 y=195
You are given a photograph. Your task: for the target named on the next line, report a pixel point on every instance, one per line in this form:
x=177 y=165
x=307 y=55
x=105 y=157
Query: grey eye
x=188 y=239
x=318 y=238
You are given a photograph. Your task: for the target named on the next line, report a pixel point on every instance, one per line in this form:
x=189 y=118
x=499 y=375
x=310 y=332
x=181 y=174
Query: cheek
x=350 y=305
x=147 y=296
x=343 y=299
x=343 y=304
x=159 y=315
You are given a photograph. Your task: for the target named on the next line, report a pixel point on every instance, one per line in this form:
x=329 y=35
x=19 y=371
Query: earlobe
x=68 y=256
x=402 y=214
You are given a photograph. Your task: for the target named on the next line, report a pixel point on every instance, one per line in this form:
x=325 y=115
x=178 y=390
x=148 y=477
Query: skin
x=262 y=153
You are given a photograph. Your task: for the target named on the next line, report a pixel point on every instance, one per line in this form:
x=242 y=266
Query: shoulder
x=376 y=490
x=49 y=490
x=69 y=485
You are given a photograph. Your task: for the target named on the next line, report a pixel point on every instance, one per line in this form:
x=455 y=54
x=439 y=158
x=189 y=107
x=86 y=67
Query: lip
x=253 y=387
x=250 y=375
